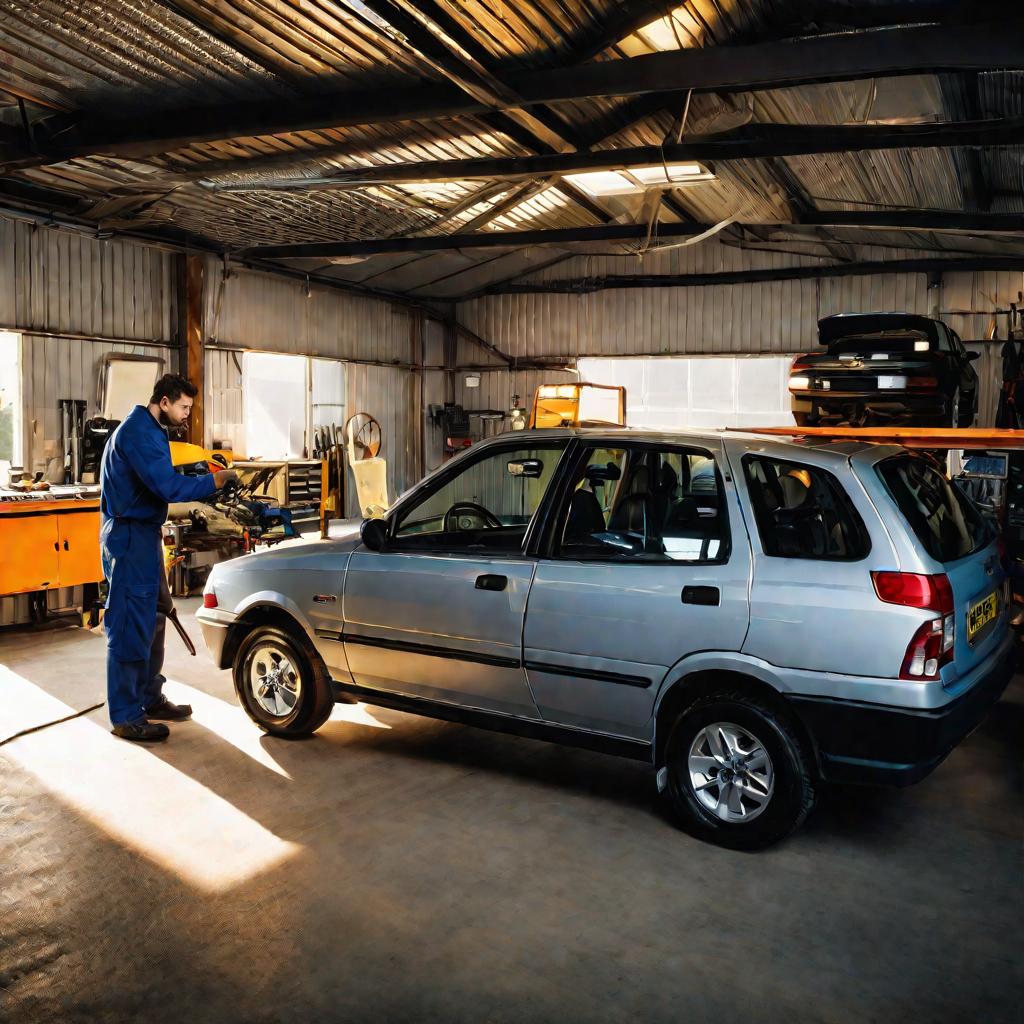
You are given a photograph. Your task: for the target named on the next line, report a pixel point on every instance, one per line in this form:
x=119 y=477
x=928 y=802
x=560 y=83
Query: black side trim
x=586 y=673
x=329 y=634
x=431 y=651
x=636 y=750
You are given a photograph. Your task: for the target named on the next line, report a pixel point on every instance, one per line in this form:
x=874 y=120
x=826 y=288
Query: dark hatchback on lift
x=884 y=368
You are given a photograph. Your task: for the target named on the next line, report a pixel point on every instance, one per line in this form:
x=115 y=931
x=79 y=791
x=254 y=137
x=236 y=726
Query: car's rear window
x=942 y=517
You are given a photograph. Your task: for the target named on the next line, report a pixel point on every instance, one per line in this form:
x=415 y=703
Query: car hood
x=344 y=537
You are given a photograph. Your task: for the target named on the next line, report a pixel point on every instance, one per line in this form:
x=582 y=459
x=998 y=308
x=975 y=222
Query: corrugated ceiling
x=140 y=58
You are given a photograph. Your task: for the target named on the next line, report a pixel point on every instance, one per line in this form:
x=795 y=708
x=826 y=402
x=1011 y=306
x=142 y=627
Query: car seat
x=585 y=517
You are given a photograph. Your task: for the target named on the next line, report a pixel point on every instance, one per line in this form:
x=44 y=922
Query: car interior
x=801 y=512
x=645 y=504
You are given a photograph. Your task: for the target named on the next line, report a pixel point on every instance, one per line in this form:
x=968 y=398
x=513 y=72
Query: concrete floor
x=398 y=869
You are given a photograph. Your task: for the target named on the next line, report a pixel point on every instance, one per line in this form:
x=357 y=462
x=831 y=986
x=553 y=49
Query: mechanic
x=137 y=481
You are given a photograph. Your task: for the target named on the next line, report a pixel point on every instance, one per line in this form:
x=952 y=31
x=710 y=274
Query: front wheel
x=281 y=683
x=739 y=774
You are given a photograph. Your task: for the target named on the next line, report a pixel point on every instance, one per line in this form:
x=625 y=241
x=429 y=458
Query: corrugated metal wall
x=56 y=368
x=274 y=314
x=387 y=394
x=775 y=317
x=68 y=283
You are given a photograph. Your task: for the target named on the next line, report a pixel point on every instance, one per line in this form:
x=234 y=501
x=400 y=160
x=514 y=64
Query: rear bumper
x=929 y=404
x=880 y=744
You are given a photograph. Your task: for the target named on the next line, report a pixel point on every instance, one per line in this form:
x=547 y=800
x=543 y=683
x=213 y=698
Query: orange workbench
x=48 y=543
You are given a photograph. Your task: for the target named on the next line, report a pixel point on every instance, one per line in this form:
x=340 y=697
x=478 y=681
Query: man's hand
x=223 y=477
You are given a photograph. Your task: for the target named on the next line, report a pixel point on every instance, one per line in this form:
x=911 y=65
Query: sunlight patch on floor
x=356 y=714
x=135 y=797
x=228 y=721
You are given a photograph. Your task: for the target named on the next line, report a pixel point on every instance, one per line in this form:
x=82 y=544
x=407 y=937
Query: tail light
x=209 y=599
x=932 y=644
x=800 y=363
x=922 y=383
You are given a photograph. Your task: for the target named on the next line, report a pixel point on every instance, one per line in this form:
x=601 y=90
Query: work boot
x=141 y=732
x=163 y=710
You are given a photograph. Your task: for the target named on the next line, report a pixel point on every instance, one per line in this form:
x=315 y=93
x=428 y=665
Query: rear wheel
x=281 y=683
x=738 y=772
x=803 y=419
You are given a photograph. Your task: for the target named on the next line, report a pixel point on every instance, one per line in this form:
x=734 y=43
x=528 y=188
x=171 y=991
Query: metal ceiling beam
x=850 y=56
x=753 y=141
x=912 y=220
x=584 y=286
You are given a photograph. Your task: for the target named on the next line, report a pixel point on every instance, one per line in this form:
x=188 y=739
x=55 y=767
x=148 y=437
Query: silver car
x=752 y=617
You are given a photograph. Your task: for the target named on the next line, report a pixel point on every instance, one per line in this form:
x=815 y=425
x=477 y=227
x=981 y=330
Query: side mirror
x=526 y=467
x=374 y=533
x=973 y=355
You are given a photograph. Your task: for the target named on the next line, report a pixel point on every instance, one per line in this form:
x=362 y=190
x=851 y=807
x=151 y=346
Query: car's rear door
x=439 y=613
x=644 y=561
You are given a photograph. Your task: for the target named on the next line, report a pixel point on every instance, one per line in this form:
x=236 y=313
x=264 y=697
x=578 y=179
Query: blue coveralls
x=137 y=481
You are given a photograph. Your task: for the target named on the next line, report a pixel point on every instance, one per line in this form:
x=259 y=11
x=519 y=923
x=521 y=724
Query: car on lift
x=883 y=369
x=753 y=617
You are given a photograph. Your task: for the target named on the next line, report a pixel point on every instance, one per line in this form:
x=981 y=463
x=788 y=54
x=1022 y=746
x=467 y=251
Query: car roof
x=844 y=449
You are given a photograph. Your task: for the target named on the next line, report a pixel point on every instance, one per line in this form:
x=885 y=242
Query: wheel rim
x=730 y=772
x=274 y=680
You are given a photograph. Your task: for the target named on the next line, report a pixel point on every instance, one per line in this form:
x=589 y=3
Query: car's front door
x=647 y=562
x=438 y=614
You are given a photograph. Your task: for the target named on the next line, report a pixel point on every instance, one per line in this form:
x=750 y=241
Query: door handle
x=489 y=582
x=702 y=595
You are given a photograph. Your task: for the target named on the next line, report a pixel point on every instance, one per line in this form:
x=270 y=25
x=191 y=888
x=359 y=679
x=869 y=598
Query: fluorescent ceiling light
x=676 y=173
x=631 y=180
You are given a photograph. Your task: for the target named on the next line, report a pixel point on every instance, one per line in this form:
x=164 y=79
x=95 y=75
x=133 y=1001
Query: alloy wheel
x=730 y=772
x=274 y=680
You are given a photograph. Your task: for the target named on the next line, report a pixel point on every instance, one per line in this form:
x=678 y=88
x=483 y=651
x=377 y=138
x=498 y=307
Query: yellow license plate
x=980 y=614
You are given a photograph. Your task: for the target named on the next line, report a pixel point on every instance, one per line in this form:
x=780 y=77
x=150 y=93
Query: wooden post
x=192 y=340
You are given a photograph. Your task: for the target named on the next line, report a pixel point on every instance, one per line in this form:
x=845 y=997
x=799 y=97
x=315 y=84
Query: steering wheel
x=491 y=521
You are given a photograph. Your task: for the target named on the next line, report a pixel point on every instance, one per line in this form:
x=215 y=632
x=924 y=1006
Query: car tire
x=282 y=683
x=746 y=821
x=803 y=419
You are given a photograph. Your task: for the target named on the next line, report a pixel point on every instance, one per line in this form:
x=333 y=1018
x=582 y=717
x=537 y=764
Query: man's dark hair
x=172 y=386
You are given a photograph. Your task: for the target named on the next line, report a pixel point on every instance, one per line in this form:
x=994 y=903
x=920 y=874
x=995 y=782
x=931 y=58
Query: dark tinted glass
x=942 y=517
x=803 y=512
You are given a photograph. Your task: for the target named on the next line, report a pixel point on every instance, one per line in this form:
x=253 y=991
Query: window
x=488 y=504
x=944 y=519
x=11 y=449
x=644 y=504
x=275 y=388
x=803 y=512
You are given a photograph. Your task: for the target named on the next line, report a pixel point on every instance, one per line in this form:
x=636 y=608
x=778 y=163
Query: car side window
x=803 y=512
x=644 y=504
x=487 y=505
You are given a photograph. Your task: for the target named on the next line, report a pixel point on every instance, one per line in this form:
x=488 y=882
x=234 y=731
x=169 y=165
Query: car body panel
x=418 y=624
x=809 y=631
x=600 y=637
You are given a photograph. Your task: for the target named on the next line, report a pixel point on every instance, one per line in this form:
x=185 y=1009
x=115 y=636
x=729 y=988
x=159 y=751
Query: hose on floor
x=46 y=725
